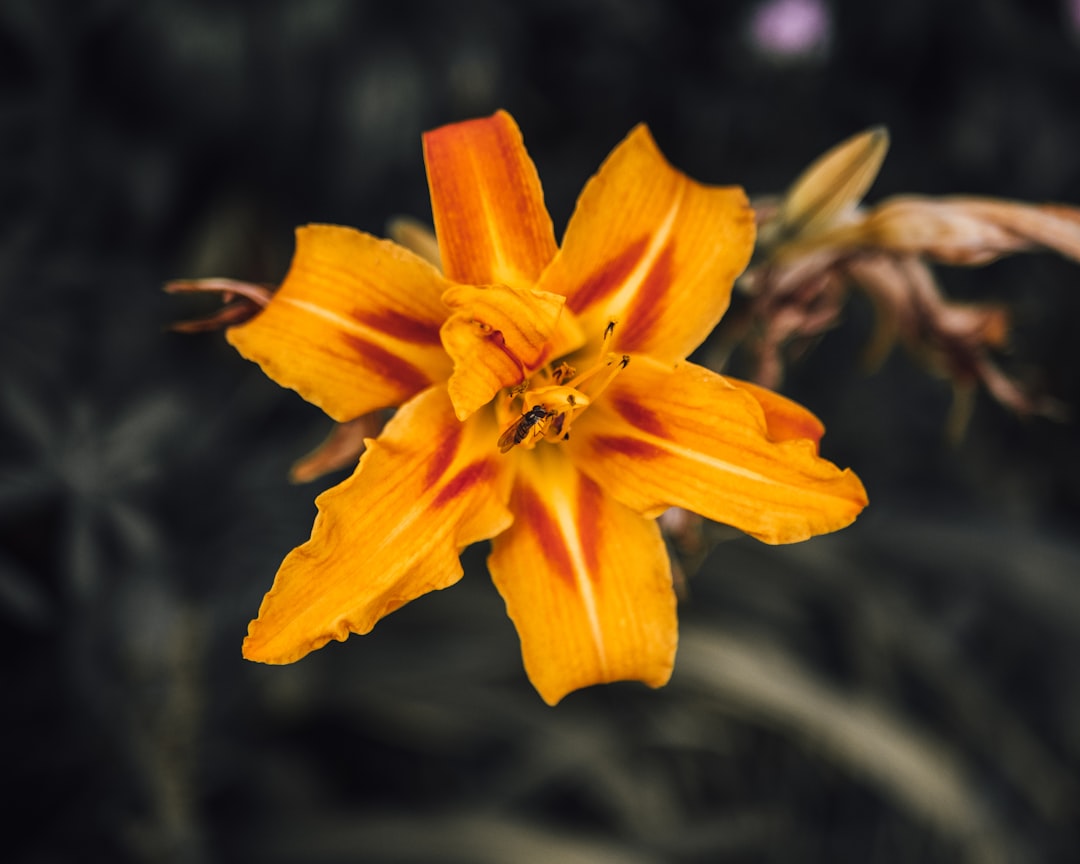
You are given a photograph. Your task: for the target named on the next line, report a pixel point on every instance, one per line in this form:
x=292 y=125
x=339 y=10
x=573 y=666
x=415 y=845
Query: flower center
x=545 y=406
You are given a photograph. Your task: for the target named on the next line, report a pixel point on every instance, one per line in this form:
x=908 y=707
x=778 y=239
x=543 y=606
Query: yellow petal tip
x=834 y=183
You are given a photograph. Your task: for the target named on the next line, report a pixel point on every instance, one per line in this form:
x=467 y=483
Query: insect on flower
x=517 y=432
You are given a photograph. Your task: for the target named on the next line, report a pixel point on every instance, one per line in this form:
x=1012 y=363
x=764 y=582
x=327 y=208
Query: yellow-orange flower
x=545 y=404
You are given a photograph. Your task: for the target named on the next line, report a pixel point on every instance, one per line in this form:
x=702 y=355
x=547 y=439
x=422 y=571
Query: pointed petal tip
x=878 y=134
x=250 y=650
x=833 y=184
x=276 y=649
x=255 y=650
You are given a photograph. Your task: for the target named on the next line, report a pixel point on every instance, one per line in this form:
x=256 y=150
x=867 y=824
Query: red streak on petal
x=646 y=309
x=499 y=341
x=409 y=378
x=608 y=278
x=486 y=201
x=445 y=451
x=589 y=504
x=638 y=415
x=529 y=510
x=480 y=472
x=542 y=357
x=399 y=326
x=624 y=445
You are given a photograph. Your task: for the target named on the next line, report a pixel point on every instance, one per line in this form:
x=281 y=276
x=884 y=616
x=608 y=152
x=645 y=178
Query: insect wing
x=509 y=438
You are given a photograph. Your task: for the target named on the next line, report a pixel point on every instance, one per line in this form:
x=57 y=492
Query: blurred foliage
x=905 y=690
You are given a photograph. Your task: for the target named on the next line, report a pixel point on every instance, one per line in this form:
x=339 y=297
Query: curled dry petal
x=342 y=447
x=1011 y=395
x=952 y=339
x=966 y=231
x=795 y=301
x=241 y=302
x=912 y=306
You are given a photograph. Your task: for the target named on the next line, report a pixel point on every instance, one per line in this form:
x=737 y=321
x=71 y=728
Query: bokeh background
x=905 y=690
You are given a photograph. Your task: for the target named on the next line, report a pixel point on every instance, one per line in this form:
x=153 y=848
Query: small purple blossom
x=793 y=28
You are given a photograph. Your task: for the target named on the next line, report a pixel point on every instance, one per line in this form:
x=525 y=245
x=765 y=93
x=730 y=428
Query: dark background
x=905 y=690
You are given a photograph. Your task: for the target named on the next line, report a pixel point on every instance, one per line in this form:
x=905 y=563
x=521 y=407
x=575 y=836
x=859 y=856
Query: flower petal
x=833 y=185
x=498 y=336
x=653 y=250
x=354 y=326
x=487 y=203
x=962 y=230
x=686 y=437
x=785 y=419
x=587 y=582
x=426 y=488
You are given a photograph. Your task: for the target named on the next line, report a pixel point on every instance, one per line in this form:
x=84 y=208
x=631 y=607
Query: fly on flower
x=480 y=446
x=519 y=430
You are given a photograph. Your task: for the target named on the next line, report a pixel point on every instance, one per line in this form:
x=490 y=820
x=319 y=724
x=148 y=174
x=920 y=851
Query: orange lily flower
x=544 y=403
